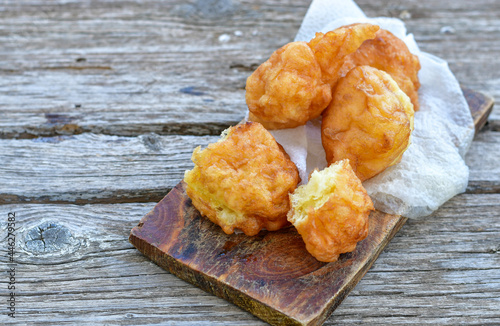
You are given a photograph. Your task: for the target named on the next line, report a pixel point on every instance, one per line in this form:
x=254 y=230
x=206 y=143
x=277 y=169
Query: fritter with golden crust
x=243 y=180
x=294 y=85
x=331 y=211
x=331 y=49
x=390 y=54
x=368 y=122
x=287 y=90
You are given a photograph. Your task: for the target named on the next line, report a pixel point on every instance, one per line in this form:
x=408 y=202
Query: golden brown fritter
x=368 y=122
x=331 y=211
x=287 y=90
x=331 y=49
x=243 y=180
x=294 y=85
x=390 y=54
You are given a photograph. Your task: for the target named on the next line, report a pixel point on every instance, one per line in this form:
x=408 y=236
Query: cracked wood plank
x=92 y=168
x=128 y=68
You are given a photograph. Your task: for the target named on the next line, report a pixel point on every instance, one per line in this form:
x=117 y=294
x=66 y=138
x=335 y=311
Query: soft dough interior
x=316 y=192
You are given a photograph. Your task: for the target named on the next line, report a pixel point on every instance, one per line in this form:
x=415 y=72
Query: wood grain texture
x=92 y=168
x=95 y=276
x=480 y=105
x=270 y=275
x=484 y=169
x=442 y=270
x=129 y=68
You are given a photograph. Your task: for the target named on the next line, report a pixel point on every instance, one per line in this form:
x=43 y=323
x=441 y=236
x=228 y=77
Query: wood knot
x=50 y=238
x=152 y=141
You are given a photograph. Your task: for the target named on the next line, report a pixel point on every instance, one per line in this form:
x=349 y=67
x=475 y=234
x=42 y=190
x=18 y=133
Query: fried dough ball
x=287 y=90
x=331 y=49
x=294 y=85
x=331 y=211
x=390 y=54
x=368 y=122
x=243 y=180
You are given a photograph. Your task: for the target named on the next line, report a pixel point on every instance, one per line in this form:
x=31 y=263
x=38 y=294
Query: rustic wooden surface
x=84 y=84
x=270 y=275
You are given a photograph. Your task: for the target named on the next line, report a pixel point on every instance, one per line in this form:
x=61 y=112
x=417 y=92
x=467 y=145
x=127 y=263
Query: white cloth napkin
x=432 y=170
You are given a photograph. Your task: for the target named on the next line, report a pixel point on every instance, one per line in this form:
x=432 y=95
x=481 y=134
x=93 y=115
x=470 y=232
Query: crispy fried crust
x=331 y=212
x=243 y=180
x=294 y=85
x=390 y=54
x=287 y=90
x=331 y=49
x=368 y=122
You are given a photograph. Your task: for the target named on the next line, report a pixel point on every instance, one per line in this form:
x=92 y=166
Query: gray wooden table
x=101 y=105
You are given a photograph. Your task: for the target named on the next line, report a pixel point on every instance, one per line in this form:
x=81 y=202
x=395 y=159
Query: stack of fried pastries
x=295 y=84
x=390 y=54
x=363 y=82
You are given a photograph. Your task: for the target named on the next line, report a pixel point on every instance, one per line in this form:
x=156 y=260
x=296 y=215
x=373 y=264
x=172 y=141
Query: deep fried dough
x=243 y=180
x=287 y=90
x=368 y=122
x=390 y=54
x=331 y=211
x=332 y=48
x=294 y=85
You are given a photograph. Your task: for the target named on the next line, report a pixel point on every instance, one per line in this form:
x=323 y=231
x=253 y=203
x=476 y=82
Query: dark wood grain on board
x=270 y=275
x=480 y=105
x=87 y=80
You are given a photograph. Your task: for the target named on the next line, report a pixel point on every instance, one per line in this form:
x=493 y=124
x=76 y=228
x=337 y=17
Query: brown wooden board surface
x=270 y=275
x=91 y=81
x=480 y=106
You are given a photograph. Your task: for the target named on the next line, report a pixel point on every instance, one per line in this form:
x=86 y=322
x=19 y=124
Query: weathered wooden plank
x=94 y=168
x=153 y=66
x=75 y=265
x=482 y=159
x=129 y=68
x=91 y=168
x=450 y=273
x=480 y=106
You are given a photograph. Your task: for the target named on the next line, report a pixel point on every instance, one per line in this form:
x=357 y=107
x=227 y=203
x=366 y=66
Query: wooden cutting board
x=270 y=275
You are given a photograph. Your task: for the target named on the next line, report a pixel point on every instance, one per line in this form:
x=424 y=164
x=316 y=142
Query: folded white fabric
x=432 y=170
